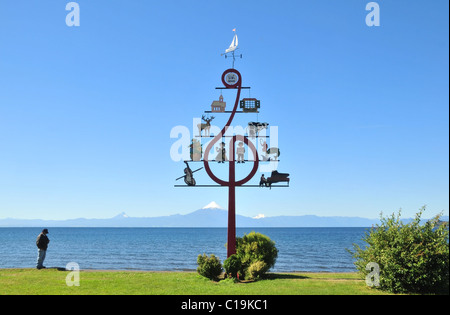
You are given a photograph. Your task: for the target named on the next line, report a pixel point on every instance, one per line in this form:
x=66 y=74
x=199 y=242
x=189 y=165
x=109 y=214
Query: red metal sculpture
x=231 y=79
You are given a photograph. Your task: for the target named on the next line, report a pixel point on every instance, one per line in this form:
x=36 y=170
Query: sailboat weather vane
x=233 y=47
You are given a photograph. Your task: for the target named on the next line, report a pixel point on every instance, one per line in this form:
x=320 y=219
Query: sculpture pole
x=231 y=79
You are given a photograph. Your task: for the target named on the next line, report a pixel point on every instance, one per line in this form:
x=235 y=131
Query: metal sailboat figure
x=233 y=45
x=232 y=48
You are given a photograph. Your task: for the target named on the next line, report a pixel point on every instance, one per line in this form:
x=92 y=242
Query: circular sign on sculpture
x=231 y=78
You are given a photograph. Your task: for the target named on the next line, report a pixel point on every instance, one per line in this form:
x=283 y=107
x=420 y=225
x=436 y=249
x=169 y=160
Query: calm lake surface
x=172 y=249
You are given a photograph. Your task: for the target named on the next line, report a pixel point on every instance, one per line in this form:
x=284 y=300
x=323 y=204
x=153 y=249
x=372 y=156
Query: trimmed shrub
x=233 y=266
x=256 y=270
x=412 y=257
x=256 y=247
x=209 y=267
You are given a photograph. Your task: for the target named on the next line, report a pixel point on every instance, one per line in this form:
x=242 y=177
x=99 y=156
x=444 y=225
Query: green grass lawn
x=52 y=281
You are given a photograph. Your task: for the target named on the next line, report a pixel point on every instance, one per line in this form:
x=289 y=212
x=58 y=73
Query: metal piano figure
x=276 y=178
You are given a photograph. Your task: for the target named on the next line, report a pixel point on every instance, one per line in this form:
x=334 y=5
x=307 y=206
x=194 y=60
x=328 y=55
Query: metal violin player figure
x=188 y=177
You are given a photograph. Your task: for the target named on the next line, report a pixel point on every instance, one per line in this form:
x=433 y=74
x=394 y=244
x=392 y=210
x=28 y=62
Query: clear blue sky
x=86 y=112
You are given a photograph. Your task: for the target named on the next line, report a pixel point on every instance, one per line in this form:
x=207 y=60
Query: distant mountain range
x=211 y=215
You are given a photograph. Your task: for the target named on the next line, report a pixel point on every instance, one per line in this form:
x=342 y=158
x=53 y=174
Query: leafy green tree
x=412 y=257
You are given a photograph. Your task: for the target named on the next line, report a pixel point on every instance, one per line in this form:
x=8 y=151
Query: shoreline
x=172 y=271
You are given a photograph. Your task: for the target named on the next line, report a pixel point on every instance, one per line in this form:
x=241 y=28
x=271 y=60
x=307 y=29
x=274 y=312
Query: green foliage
x=412 y=257
x=256 y=269
x=233 y=266
x=209 y=267
x=257 y=251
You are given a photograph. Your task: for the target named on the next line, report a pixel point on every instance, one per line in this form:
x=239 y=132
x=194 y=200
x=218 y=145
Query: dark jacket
x=42 y=241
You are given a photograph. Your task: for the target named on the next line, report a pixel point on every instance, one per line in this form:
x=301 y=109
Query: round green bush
x=209 y=267
x=256 y=248
x=233 y=266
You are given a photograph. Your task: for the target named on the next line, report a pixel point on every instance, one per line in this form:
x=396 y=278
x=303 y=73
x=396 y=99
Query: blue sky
x=86 y=112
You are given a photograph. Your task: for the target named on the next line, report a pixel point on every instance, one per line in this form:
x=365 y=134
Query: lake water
x=172 y=249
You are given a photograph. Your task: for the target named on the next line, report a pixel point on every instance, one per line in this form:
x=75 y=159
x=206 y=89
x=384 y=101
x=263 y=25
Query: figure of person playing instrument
x=222 y=155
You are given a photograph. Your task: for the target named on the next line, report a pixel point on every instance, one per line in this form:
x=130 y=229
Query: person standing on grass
x=42 y=244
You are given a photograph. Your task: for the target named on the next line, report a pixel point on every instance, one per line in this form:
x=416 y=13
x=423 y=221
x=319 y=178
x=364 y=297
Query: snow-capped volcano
x=212 y=205
x=121 y=215
x=259 y=216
